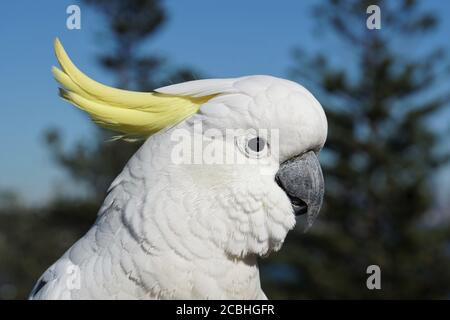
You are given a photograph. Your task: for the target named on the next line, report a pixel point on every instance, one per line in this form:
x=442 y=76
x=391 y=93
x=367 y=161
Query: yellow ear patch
x=133 y=114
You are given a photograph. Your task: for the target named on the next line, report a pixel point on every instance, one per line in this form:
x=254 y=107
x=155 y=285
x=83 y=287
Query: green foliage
x=378 y=162
x=32 y=239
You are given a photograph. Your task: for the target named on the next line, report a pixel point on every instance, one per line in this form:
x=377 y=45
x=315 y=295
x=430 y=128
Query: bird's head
x=243 y=151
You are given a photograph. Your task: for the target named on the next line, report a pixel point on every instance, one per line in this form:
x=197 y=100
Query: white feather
x=187 y=231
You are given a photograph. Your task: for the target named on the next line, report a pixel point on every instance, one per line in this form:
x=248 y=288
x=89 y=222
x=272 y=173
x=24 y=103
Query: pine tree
x=378 y=162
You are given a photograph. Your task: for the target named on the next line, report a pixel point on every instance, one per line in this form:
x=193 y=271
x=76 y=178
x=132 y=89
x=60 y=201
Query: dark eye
x=256 y=144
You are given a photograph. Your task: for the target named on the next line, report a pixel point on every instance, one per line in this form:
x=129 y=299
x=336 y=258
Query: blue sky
x=218 y=38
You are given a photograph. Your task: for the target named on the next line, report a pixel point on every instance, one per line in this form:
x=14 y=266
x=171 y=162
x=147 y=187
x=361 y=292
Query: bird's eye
x=256 y=144
x=253 y=146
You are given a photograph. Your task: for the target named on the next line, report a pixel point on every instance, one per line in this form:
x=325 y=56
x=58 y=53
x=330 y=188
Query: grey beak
x=302 y=180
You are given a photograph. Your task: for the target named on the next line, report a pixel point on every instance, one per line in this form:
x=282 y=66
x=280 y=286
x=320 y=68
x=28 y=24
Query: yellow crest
x=133 y=114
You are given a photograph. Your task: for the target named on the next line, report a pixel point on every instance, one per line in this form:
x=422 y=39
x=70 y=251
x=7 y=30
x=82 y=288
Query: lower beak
x=302 y=179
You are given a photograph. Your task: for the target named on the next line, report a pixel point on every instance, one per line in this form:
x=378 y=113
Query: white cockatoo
x=226 y=167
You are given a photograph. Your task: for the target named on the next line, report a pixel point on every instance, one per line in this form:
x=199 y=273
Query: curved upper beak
x=302 y=179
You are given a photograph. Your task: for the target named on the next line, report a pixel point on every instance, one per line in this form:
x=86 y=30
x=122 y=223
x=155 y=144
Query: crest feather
x=133 y=114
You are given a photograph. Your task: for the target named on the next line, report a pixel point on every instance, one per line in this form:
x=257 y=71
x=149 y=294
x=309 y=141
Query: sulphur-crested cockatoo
x=226 y=167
